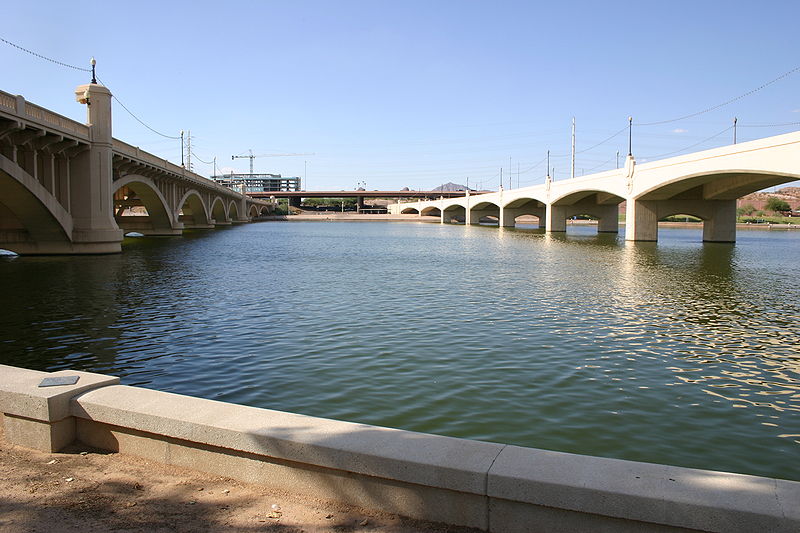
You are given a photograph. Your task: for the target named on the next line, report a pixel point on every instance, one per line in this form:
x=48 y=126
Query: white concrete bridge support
x=556 y=218
x=719 y=218
x=92 y=198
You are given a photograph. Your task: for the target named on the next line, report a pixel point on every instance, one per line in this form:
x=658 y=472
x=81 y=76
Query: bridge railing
x=17 y=105
x=137 y=154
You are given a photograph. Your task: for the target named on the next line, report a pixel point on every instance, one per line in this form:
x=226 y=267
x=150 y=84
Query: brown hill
x=790 y=195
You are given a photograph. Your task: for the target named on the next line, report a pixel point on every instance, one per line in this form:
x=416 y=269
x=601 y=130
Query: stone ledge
x=430 y=460
x=479 y=484
x=659 y=494
x=21 y=396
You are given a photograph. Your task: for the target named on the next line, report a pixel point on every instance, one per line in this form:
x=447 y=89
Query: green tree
x=777 y=205
x=747 y=209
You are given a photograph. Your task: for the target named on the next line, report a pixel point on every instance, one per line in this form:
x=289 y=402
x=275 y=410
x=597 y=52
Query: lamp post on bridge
x=630 y=136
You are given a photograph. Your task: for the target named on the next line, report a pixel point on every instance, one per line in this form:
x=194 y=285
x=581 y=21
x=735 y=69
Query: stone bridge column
x=92 y=207
x=720 y=224
x=641 y=220
x=608 y=218
x=556 y=218
x=507 y=216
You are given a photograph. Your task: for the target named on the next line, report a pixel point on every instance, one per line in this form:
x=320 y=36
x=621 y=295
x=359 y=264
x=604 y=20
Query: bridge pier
x=719 y=218
x=555 y=218
x=92 y=206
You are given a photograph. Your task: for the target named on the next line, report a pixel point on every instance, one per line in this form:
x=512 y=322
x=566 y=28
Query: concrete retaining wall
x=490 y=486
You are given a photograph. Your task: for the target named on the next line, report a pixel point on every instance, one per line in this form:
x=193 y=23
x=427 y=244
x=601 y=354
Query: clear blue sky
x=414 y=93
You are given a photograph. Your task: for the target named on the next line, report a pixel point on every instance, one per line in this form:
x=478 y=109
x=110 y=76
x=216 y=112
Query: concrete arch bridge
x=71 y=188
x=703 y=184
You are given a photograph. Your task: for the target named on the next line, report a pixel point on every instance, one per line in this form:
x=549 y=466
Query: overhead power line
x=732 y=100
x=67 y=65
x=776 y=125
x=198 y=158
x=40 y=56
x=690 y=147
x=140 y=121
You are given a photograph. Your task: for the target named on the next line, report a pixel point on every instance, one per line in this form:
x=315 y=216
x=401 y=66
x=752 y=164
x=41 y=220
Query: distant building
x=258 y=182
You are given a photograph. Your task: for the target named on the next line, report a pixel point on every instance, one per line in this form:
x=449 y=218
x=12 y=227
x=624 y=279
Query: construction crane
x=251 y=157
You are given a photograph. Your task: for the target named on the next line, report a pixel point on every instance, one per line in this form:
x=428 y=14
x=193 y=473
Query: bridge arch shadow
x=31 y=218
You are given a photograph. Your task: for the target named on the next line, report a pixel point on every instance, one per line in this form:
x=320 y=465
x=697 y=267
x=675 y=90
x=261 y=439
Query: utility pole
x=510 y=174
x=501 y=179
x=182 y=148
x=617 y=158
x=573 y=147
x=547 y=170
x=189 y=150
x=734 y=129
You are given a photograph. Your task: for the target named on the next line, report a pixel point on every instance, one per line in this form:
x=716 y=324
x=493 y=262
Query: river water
x=673 y=352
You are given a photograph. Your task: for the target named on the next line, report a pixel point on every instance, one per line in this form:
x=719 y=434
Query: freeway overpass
x=295 y=197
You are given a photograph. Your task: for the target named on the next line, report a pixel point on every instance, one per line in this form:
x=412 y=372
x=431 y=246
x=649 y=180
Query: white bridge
x=64 y=186
x=702 y=184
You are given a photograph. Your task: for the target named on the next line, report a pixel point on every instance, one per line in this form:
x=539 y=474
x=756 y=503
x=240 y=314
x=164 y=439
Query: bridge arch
x=454 y=211
x=192 y=210
x=708 y=195
x=482 y=210
x=602 y=205
x=524 y=206
x=218 y=212
x=431 y=211
x=159 y=219
x=717 y=185
x=253 y=211
x=410 y=211
x=233 y=211
x=31 y=219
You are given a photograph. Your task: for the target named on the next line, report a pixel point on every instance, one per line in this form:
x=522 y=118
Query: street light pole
x=630 y=136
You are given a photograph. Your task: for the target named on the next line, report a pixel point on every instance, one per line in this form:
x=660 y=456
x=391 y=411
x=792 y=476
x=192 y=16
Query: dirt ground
x=82 y=490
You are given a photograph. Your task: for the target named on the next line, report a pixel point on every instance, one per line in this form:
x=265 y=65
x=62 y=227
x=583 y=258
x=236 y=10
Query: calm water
x=676 y=352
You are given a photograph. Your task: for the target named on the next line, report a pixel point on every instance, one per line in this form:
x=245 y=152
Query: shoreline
x=368 y=217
